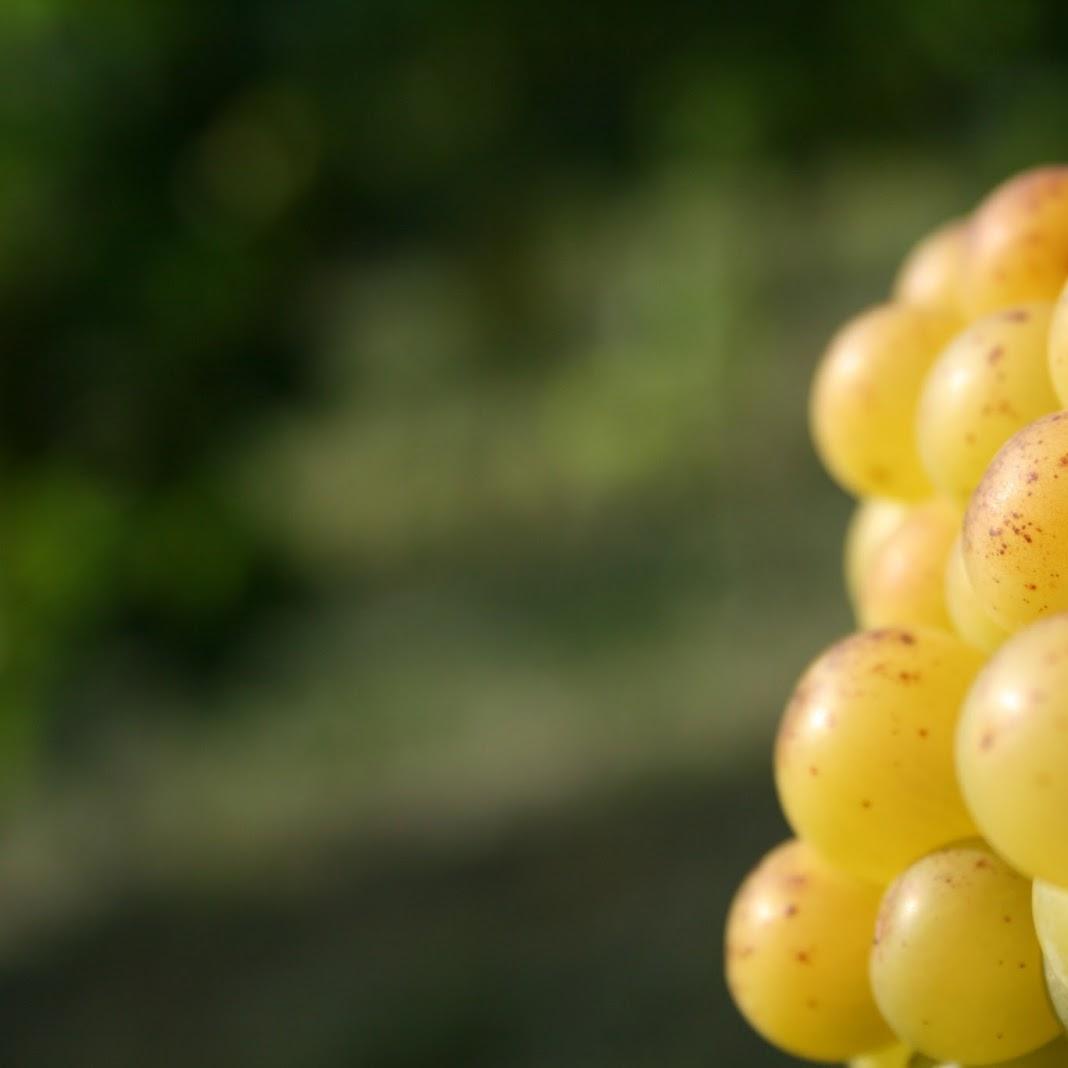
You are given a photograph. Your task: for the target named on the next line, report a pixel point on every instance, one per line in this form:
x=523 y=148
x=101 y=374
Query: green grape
x=931 y=273
x=864 y=755
x=1018 y=243
x=891 y=1057
x=1053 y=1055
x=1050 y=907
x=956 y=966
x=1058 y=348
x=969 y=618
x=1016 y=526
x=863 y=402
x=990 y=381
x=873 y=520
x=797 y=941
x=905 y=581
x=1012 y=750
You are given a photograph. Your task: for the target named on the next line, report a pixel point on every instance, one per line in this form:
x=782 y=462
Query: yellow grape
x=873 y=520
x=891 y=1057
x=931 y=273
x=797 y=942
x=864 y=755
x=990 y=381
x=970 y=620
x=1018 y=243
x=905 y=581
x=1058 y=348
x=1050 y=907
x=956 y=967
x=1053 y=1055
x=1012 y=750
x=863 y=404
x=1016 y=526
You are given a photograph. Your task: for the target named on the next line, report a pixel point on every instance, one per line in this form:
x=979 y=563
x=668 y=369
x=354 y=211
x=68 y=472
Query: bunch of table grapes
x=920 y=916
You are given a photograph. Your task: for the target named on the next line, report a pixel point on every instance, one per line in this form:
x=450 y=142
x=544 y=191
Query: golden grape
x=863 y=402
x=931 y=273
x=970 y=619
x=797 y=942
x=864 y=755
x=905 y=582
x=1016 y=526
x=956 y=967
x=1012 y=750
x=1018 y=243
x=990 y=381
x=873 y=520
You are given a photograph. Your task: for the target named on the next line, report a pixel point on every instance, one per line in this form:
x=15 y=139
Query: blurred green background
x=408 y=529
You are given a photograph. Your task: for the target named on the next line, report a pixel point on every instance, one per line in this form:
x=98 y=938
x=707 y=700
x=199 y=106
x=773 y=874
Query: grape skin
x=863 y=400
x=969 y=618
x=1016 y=526
x=892 y=1057
x=874 y=519
x=797 y=941
x=931 y=273
x=990 y=381
x=956 y=966
x=1018 y=243
x=1012 y=750
x=905 y=581
x=864 y=754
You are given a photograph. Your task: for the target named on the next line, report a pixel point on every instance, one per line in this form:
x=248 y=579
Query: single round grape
x=1058 y=348
x=864 y=755
x=797 y=942
x=990 y=381
x=905 y=584
x=956 y=967
x=1012 y=750
x=931 y=273
x=970 y=619
x=892 y=1057
x=1050 y=908
x=1016 y=526
x=863 y=404
x=873 y=520
x=1018 y=243
x=1053 y=1055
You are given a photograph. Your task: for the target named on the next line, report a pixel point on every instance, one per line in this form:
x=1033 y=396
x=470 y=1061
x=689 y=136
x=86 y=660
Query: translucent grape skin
x=873 y=520
x=1016 y=526
x=797 y=942
x=1058 y=348
x=905 y=581
x=1050 y=908
x=864 y=754
x=970 y=620
x=863 y=401
x=1018 y=243
x=1012 y=750
x=991 y=380
x=931 y=273
x=956 y=966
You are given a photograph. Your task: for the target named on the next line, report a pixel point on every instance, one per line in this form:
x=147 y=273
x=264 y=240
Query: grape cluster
x=920 y=916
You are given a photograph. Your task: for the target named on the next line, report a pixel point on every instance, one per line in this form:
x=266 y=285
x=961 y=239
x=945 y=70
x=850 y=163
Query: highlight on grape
x=919 y=918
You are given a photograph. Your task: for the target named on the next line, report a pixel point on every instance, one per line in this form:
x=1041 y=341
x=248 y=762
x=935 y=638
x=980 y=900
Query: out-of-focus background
x=408 y=529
